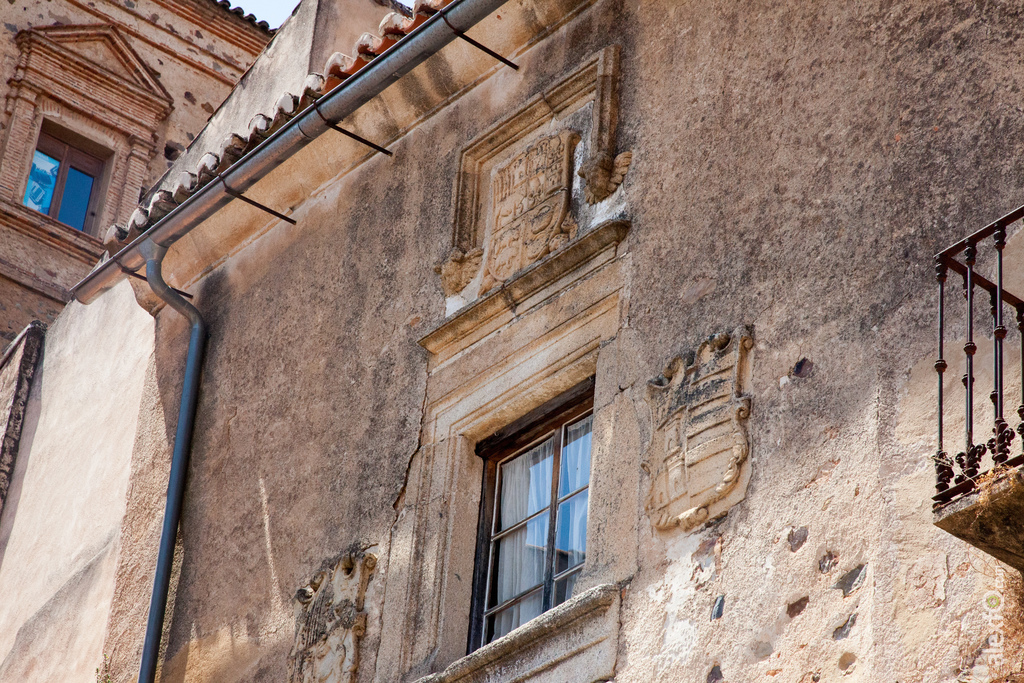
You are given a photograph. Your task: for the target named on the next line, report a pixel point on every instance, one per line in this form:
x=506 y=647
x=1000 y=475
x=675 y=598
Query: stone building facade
x=618 y=365
x=111 y=93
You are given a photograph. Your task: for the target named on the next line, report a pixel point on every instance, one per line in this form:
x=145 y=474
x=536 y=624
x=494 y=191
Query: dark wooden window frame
x=509 y=442
x=69 y=155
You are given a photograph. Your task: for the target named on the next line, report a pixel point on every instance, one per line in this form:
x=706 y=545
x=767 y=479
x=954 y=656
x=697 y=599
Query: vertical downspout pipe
x=154 y=254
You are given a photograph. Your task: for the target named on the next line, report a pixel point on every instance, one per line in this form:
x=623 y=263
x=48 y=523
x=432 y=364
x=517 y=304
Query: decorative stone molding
x=514 y=296
x=330 y=620
x=549 y=632
x=17 y=368
x=459 y=268
x=605 y=170
x=530 y=191
x=604 y=174
x=540 y=333
x=701 y=445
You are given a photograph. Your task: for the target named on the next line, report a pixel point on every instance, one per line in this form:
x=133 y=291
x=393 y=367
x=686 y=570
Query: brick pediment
x=97 y=48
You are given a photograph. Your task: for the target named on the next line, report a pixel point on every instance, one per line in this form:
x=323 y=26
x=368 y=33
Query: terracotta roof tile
x=337 y=69
x=238 y=11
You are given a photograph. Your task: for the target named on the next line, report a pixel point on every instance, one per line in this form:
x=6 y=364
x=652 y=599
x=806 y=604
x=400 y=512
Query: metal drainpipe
x=150 y=248
x=154 y=254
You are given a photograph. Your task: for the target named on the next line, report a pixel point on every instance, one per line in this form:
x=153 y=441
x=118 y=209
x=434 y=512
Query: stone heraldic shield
x=700 y=445
x=531 y=200
x=330 y=621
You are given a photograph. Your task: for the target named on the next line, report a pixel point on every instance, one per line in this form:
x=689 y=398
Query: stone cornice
x=521 y=287
x=231 y=28
x=74 y=243
x=26 y=279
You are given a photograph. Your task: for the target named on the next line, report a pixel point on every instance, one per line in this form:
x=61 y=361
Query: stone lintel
x=514 y=292
x=990 y=518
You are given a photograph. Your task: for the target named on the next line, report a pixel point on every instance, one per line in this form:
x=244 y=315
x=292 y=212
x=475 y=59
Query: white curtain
x=519 y=613
x=525 y=490
x=575 y=469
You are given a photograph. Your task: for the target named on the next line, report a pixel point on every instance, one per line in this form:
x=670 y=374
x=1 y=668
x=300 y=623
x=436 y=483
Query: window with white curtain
x=534 y=516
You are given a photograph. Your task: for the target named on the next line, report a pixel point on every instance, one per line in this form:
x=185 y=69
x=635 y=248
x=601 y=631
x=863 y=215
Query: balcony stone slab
x=991 y=518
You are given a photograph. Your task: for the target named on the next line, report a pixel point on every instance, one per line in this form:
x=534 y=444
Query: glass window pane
x=521 y=558
x=571 y=538
x=576 y=457
x=42 y=180
x=507 y=619
x=525 y=484
x=74 y=201
x=564 y=586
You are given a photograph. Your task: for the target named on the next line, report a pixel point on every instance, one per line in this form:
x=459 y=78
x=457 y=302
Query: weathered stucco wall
x=60 y=523
x=805 y=164
x=794 y=168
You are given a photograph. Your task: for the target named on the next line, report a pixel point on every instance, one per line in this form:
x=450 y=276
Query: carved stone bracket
x=459 y=268
x=700 y=445
x=604 y=170
x=330 y=620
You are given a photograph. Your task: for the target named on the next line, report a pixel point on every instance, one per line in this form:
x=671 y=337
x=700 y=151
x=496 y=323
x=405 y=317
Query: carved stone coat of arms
x=531 y=201
x=330 y=620
x=700 y=447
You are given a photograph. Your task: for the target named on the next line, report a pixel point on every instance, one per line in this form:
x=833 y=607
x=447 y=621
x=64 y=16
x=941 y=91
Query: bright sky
x=274 y=12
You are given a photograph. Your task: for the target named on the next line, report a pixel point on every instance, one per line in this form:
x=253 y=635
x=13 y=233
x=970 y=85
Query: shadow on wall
x=62 y=621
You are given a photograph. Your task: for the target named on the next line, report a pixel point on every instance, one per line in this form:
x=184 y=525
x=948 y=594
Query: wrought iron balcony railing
x=960 y=474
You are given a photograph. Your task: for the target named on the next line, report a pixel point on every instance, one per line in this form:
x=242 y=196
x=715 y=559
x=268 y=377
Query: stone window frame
x=476 y=386
x=87 y=153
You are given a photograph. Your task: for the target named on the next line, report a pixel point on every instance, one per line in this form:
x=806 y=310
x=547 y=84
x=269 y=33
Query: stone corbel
x=604 y=171
x=458 y=268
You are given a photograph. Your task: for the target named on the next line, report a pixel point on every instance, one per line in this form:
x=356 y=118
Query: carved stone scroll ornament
x=531 y=202
x=700 y=446
x=330 y=620
x=604 y=174
x=458 y=269
x=604 y=171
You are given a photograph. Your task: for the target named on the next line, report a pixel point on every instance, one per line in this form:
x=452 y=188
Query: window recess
x=64 y=183
x=533 y=522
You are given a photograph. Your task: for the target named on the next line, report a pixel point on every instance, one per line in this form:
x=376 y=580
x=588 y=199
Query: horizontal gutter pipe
x=308 y=125
x=154 y=255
